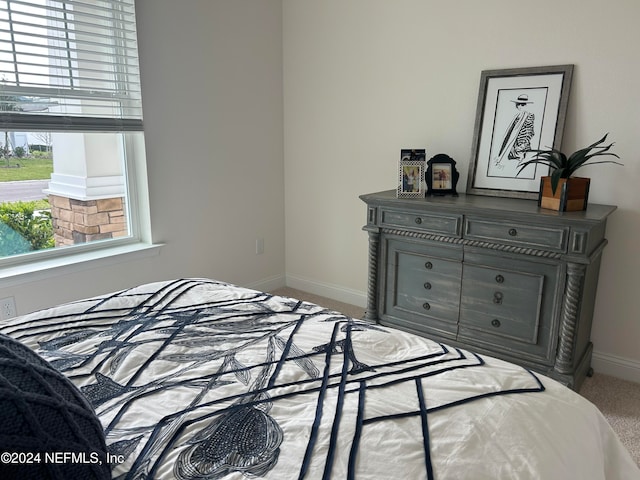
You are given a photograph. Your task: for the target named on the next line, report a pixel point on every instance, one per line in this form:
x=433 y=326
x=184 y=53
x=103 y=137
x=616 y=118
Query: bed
x=201 y=379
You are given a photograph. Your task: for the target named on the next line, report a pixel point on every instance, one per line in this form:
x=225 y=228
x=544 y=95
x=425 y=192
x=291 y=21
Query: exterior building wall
x=82 y=221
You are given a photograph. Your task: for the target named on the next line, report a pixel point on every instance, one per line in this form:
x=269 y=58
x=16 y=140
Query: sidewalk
x=25 y=190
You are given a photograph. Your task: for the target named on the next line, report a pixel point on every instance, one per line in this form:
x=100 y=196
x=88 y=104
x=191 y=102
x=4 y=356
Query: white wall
x=365 y=78
x=212 y=99
x=212 y=96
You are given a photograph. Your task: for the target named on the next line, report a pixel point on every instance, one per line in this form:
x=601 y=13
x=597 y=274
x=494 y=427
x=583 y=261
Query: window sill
x=44 y=269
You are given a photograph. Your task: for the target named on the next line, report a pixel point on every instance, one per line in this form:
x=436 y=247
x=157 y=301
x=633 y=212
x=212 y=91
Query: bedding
x=40 y=411
x=201 y=379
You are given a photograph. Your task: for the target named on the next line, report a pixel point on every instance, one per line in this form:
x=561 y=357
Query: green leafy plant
x=23 y=228
x=563 y=166
x=19 y=152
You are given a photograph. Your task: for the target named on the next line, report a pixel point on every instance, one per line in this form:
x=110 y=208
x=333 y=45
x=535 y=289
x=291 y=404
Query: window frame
x=44 y=263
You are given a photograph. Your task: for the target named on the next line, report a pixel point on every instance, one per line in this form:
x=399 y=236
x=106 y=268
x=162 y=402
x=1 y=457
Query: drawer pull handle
x=499 y=279
x=428 y=265
x=418 y=220
x=495 y=323
x=497 y=298
x=513 y=232
x=426 y=306
x=427 y=285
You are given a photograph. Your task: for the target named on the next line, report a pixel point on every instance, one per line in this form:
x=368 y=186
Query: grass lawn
x=25 y=169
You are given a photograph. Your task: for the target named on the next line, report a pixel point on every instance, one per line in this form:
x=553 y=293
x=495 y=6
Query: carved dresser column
x=372 y=281
x=571 y=301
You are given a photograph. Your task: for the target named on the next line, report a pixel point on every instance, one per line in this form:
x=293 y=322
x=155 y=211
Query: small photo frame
x=518 y=110
x=411 y=173
x=442 y=176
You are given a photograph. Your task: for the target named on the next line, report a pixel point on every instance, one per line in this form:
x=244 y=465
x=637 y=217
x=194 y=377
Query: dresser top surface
x=482 y=204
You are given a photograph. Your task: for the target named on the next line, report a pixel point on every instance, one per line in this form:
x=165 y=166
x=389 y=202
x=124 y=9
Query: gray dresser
x=495 y=275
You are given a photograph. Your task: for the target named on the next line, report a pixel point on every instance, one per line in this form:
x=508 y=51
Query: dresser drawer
x=531 y=236
x=509 y=305
x=521 y=330
x=422 y=287
x=427 y=285
x=437 y=224
x=502 y=293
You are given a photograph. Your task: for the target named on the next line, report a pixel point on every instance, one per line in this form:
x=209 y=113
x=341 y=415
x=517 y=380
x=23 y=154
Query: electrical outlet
x=259 y=246
x=7 y=308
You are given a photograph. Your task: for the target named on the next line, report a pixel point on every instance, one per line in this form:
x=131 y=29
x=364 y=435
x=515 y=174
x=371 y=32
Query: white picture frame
x=411 y=170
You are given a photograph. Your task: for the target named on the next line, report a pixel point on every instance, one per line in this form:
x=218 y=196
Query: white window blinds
x=69 y=65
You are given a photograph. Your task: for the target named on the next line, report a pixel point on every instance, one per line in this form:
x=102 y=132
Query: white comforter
x=196 y=379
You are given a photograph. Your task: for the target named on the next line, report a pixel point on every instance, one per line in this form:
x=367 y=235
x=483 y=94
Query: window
x=70 y=122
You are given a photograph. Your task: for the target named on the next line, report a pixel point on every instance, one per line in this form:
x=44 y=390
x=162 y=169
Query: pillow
x=47 y=427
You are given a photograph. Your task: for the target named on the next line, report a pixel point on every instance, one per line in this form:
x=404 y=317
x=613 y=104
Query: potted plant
x=561 y=190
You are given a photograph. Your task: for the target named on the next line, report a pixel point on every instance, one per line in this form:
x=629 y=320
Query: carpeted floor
x=617 y=399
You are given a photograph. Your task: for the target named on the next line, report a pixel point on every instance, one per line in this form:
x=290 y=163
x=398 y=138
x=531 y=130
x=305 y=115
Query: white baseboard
x=335 y=292
x=615 y=366
x=268 y=284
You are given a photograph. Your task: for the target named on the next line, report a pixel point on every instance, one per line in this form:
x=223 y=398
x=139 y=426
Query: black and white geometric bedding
x=199 y=379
